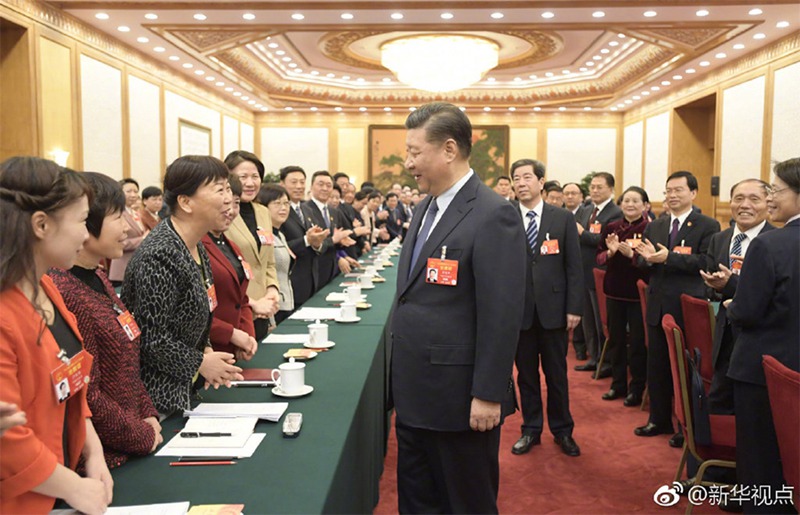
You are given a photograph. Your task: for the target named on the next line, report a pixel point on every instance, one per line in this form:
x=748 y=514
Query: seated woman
x=122 y=412
x=170 y=290
x=43 y=208
x=276 y=198
x=232 y=328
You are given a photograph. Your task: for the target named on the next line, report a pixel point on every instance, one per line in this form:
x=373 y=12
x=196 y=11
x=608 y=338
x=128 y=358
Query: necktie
x=673 y=235
x=326 y=217
x=594 y=215
x=736 y=248
x=422 y=237
x=532 y=232
x=300 y=213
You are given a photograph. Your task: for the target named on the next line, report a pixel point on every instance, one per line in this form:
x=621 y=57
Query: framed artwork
x=193 y=139
x=387 y=154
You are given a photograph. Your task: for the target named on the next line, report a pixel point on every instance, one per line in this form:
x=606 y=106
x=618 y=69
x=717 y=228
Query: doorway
x=693 y=140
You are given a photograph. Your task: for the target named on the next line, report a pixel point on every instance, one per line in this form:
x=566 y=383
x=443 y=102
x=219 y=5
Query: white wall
x=572 y=153
x=230 y=135
x=307 y=148
x=523 y=144
x=786 y=114
x=632 y=155
x=101 y=117
x=247 y=137
x=742 y=131
x=177 y=107
x=656 y=155
x=145 y=131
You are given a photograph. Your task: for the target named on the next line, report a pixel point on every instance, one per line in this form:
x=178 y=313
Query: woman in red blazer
x=232 y=327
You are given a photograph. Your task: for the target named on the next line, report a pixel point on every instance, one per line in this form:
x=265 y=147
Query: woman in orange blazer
x=43 y=210
x=232 y=326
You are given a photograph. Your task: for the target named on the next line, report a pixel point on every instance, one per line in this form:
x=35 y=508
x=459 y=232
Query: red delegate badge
x=212 y=298
x=595 y=228
x=442 y=271
x=129 y=325
x=69 y=378
x=264 y=237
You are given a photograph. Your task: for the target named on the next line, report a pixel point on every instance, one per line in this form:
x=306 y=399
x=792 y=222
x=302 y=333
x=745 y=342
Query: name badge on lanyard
x=596 y=228
x=212 y=298
x=264 y=237
x=72 y=375
x=682 y=249
x=549 y=246
x=442 y=271
x=248 y=272
x=127 y=322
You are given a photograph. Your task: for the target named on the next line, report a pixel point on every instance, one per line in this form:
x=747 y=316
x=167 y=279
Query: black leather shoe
x=632 y=400
x=591 y=366
x=581 y=356
x=612 y=394
x=603 y=373
x=525 y=443
x=676 y=440
x=568 y=445
x=651 y=429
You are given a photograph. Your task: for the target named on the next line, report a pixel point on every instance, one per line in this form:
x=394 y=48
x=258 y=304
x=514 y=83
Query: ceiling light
x=690 y=71
x=292 y=65
x=721 y=55
x=397 y=16
x=280 y=52
x=517 y=79
x=655 y=88
x=462 y=108
x=604 y=50
x=159 y=49
x=701 y=13
x=782 y=24
x=361 y=80
x=649 y=14
x=760 y=35
x=265 y=108
x=314 y=72
x=636 y=97
x=439 y=63
x=587 y=108
x=124 y=28
x=362 y=109
x=549 y=74
x=537 y=109
x=347 y=16
x=598 y=14
x=273 y=45
x=313 y=108
x=229 y=89
x=446 y=16
x=704 y=63
x=219 y=83
x=677 y=77
x=629 y=101
x=286 y=59
x=613 y=43
x=566 y=72
x=386 y=80
x=645 y=93
x=621 y=36
x=174 y=58
x=199 y=72
x=589 y=63
x=237 y=93
x=288 y=108
x=199 y=17
x=755 y=12
x=613 y=108
x=345 y=77
x=738 y=46
x=337 y=108
x=533 y=77
x=298 y=70
x=249 y=16
x=547 y=15
x=562 y=108
x=102 y=16
x=188 y=65
x=487 y=109
x=620 y=105
x=387 y=109
x=512 y=109
x=210 y=78
x=583 y=69
x=298 y=17
x=142 y=39
x=596 y=57
x=665 y=83
x=330 y=75
x=497 y=16
x=491 y=79
x=245 y=98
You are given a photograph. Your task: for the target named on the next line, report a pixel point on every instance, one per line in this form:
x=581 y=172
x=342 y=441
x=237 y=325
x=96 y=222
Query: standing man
x=553 y=303
x=325 y=218
x=453 y=341
x=573 y=197
x=590 y=223
x=675 y=248
x=503 y=186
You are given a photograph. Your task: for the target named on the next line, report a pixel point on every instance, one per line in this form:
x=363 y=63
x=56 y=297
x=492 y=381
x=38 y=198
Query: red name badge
x=248 y=272
x=264 y=237
x=442 y=271
x=70 y=378
x=633 y=242
x=212 y=298
x=549 y=247
x=736 y=266
x=596 y=228
x=129 y=325
x=682 y=250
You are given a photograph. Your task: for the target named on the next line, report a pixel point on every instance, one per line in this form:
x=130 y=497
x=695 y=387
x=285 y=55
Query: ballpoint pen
x=198 y=435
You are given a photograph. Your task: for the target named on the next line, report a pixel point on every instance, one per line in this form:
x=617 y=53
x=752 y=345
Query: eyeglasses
x=280 y=204
x=774 y=191
x=677 y=191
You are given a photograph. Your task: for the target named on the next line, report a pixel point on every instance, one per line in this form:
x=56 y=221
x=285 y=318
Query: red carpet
x=617 y=471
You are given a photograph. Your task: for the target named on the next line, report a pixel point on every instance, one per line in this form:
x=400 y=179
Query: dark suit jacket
x=680 y=273
x=395 y=229
x=326 y=258
x=233 y=309
x=719 y=254
x=766 y=308
x=589 y=241
x=344 y=216
x=554 y=282
x=453 y=343
x=304 y=273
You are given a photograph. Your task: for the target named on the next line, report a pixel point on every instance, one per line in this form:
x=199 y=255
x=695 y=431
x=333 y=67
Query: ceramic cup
x=354 y=294
x=317 y=333
x=291 y=376
x=365 y=280
x=348 y=311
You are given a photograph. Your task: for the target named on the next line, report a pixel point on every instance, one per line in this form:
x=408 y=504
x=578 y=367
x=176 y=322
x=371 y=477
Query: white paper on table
x=337 y=296
x=316 y=314
x=240 y=429
x=171 y=508
x=271 y=411
x=300 y=339
x=247 y=451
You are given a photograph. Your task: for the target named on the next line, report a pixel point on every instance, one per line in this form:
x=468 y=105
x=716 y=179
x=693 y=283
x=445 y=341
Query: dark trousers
x=659 y=377
x=447 y=472
x=720 y=396
x=758 y=460
x=592 y=325
x=578 y=341
x=551 y=345
x=621 y=315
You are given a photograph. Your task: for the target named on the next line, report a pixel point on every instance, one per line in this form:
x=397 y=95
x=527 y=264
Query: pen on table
x=199 y=463
x=198 y=435
x=189 y=459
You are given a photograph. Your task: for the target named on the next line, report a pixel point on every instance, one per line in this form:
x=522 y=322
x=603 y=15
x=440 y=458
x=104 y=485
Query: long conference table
x=333 y=466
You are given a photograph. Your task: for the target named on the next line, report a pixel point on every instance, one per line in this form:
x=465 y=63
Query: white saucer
x=326 y=345
x=348 y=320
x=370 y=287
x=304 y=391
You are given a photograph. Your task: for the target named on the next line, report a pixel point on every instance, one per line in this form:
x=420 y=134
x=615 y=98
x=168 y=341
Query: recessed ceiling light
x=337 y=108
x=151 y=16
x=649 y=14
x=566 y=72
x=219 y=83
x=446 y=16
x=721 y=55
x=229 y=89
x=589 y=63
x=562 y=108
x=587 y=108
x=174 y=58
x=487 y=109
x=629 y=101
x=549 y=74
x=621 y=36
x=704 y=63
x=298 y=17
x=199 y=16
x=738 y=46
x=620 y=105
x=645 y=93
x=159 y=49
x=142 y=39
x=345 y=77
x=547 y=15
x=533 y=77
x=387 y=109
x=124 y=28
x=251 y=102
x=677 y=77
x=596 y=57
x=512 y=109
x=636 y=97
x=760 y=35
x=286 y=59
x=614 y=108
x=249 y=16
x=361 y=79
x=265 y=108
x=199 y=72
x=782 y=24
x=386 y=80
x=537 y=109
x=313 y=108
x=604 y=50
x=237 y=93
x=613 y=43
x=755 y=12
x=397 y=16
x=584 y=69
x=245 y=98
x=665 y=83
x=517 y=79
x=314 y=72
x=102 y=16
x=273 y=45
x=210 y=78
x=330 y=75
x=655 y=88
x=362 y=109
x=288 y=108
x=497 y=16
x=347 y=16
x=701 y=13
x=690 y=71
x=598 y=14
x=292 y=65
x=188 y=65
x=491 y=79
x=280 y=52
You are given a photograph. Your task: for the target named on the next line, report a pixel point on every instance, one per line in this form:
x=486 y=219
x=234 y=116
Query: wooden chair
x=699 y=321
x=642 y=287
x=783 y=385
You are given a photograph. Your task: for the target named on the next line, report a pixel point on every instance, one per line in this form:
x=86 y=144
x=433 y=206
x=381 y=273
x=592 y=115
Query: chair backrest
x=642 y=287
x=681 y=385
x=699 y=321
x=599 y=278
x=783 y=385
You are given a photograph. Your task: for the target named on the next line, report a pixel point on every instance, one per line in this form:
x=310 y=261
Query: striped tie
x=532 y=232
x=736 y=248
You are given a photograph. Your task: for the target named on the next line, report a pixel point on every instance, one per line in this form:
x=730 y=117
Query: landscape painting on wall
x=387 y=154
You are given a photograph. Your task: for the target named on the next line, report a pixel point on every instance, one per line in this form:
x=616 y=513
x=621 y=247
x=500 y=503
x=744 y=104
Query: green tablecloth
x=334 y=466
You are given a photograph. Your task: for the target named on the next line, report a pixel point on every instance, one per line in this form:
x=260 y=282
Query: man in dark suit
x=727 y=251
x=590 y=222
x=404 y=211
x=453 y=345
x=394 y=224
x=675 y=249
x=301 y=236
x=553 y=303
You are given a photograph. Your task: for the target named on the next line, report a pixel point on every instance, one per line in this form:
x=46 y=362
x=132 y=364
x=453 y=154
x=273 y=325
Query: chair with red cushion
x=599 y=276
x=783 y=385
x=721 y=452
x=642 y=287
x=699 y=321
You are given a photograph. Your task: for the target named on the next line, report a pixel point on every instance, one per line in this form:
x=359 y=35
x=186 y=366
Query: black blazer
x=395 y=229
x=554 y=282
x=766 y=308
x=719 y=254
x=326 y=259
x=304 y=274
x=680 y=273
x=453 y=343
x=590 y=241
